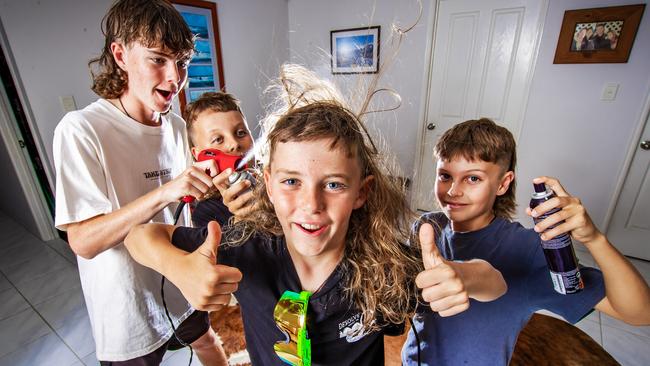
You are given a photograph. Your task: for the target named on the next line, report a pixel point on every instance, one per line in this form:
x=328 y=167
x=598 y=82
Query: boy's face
x=466 y=191
x=224 y=131
x=314 y=189
x=155 y=76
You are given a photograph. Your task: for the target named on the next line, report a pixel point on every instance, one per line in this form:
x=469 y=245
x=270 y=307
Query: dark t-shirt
x=267 y=272
x=486 y=333
x=210 y=210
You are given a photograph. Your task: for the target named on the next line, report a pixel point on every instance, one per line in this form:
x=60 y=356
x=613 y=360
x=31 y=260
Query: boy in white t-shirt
x=122 y=161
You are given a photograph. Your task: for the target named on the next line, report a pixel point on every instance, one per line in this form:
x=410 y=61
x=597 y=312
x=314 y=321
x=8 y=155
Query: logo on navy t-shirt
x=352 y=329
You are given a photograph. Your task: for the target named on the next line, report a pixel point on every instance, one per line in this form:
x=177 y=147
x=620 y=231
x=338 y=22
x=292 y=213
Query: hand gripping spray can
x=559 y=253
x=241 y=175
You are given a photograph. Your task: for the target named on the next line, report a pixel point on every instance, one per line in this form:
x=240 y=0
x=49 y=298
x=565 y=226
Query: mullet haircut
x=484 y=140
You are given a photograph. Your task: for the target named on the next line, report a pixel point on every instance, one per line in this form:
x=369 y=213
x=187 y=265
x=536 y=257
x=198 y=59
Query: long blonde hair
x=378 y=266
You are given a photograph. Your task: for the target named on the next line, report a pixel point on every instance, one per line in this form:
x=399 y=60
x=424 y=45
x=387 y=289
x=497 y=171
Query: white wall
x=568 y=132
x=52 y=41
x=310 y=23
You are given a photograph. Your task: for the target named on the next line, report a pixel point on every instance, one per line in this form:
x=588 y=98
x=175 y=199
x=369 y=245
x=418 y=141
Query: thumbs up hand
x=206 y=284
x=441 y=282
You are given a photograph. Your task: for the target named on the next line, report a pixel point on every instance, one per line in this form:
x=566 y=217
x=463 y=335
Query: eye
x=443 y=177
x=158 y=60
x=217 y=140
x=183 y=64
x=473 y=179
x=290 y=181
x=241 y=133
x=335 y=186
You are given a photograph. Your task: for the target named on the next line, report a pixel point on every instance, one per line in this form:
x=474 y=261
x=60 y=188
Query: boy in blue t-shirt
x=475 y=188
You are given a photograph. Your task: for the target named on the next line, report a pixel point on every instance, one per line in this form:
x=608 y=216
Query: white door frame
x=426 y=89
x=627 y=163
x=24 y=172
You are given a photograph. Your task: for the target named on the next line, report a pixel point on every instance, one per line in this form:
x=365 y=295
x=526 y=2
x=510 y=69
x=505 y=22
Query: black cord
x=417 y=338
x=162 y=294
x=177 y=214
x=178 y=211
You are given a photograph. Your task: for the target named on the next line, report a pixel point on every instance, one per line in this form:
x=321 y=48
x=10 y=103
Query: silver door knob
x=431 y=127
x=645 y=145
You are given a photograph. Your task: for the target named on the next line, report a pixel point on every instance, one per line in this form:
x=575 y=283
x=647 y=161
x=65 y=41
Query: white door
x=480 y=65
x=629 y=229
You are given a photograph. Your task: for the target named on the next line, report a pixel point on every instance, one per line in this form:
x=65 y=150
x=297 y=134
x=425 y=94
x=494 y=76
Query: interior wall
x=568 y=132
x=310 y=23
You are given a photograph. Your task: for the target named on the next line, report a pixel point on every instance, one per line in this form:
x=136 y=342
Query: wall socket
x=67 y=103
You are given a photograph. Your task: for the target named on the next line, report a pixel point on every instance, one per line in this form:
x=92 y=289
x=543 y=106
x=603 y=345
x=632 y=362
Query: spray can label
x=567 y=282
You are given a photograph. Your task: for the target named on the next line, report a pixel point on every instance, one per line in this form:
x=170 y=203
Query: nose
x=454 y=191
x=232 y=145
x=311 y=200
x=175 y=74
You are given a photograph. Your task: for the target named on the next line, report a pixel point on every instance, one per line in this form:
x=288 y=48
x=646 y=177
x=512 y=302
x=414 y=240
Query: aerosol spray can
x=242 y=175
x=559 y=253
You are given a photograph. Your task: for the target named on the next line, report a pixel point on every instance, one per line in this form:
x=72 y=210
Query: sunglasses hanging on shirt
x=290 y=316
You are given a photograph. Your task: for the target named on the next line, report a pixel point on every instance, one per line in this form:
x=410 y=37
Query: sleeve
x=210 y=210
x=189 y=238
x=81 y=187
x=571 y=307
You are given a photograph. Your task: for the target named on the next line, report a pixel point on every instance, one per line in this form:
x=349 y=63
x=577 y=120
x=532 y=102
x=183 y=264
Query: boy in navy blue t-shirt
x=475 y=189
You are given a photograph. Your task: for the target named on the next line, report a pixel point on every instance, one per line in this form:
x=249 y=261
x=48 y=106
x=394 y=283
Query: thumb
x=210 y=246
x=430 y=254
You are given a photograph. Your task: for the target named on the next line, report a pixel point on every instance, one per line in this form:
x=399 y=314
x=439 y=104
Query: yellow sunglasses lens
x=290 y=316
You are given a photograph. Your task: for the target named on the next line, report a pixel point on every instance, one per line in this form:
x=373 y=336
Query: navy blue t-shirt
x=268 y=271
x=486 y=333
x=209 y=210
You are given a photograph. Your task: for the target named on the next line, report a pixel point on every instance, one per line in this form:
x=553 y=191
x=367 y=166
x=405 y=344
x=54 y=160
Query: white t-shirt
x=104 y=160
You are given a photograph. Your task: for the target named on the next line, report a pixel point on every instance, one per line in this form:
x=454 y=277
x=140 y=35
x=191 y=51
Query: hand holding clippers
x=223 y=161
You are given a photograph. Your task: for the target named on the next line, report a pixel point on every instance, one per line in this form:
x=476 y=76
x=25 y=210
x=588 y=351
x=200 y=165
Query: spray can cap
x=539 y=187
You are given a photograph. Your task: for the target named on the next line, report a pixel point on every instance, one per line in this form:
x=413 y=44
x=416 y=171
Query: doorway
x=480 y=65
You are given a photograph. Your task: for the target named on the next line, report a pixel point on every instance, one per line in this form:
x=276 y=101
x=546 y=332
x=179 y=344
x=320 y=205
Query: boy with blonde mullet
x=475 y=188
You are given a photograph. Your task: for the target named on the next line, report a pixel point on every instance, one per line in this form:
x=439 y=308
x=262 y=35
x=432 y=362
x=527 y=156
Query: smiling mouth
x=455 y=204
x=311 y=229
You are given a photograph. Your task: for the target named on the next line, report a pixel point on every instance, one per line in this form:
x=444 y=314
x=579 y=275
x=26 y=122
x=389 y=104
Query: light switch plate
x=609 y=92
x=67 y=103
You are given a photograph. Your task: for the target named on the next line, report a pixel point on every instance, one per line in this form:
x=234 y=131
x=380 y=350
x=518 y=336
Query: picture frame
x=205 y=70
x=355 y=50
x=598 y=35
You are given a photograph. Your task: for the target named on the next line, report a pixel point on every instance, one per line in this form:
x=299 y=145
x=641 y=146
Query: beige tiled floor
x=43 y=317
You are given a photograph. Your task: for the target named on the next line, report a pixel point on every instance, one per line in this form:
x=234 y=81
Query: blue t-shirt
x=486 y=333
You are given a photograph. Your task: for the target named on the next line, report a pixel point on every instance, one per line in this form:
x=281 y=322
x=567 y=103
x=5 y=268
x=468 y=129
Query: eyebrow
x=295 y=172
x=464 y=171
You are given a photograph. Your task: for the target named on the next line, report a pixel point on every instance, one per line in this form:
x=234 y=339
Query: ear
x=267 y=184
x=507 y=178
x=119 y=54
x=195 y=153
x=364 y=190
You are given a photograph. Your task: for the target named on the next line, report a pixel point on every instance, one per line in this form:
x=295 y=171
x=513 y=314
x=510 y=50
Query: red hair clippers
x=223 y=161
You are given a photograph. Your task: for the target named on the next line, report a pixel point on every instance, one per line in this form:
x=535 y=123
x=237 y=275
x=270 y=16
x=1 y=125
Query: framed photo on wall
x=598 y=35
x=205 y=71
x=355 y=51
